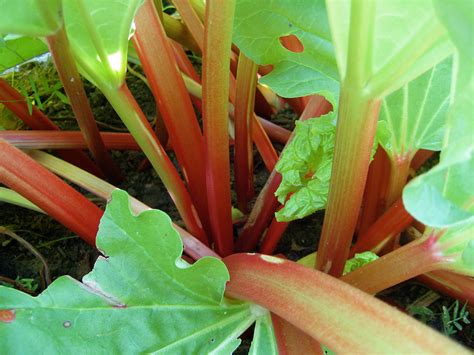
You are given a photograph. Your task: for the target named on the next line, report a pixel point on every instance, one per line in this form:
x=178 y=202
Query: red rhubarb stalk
x=391 y=223
x=37 y=120
x=215 y=89
x=457 y=286
x=34 y=182
x=356 y=126
x=65 y=140
x=192 y=246
x=336 y=314
x=175 y=105
x=59 y=47
x=415 y=258
x=243 y=114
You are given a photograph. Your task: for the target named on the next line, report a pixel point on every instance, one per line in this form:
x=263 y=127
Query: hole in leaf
x=7 y=315
x=292 y=43
x=265 y=69
x=67 y=324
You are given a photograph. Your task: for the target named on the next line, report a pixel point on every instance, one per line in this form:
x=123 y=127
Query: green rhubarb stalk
x=127 y=108
x=215 y=88
x=22 y=174
x=356 y=126
x=246 y=84
x=14 y=198
x=159 y=64
x=59 y=47
x=193 y=247
x=336 y=314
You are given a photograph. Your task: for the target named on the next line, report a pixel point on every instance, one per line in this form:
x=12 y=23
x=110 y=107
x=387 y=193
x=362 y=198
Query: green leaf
x=359 y=260
x=305 y=165
x=140 y=297
x=457 y=245
x=15 y=50
x=264 y=341
x=258 y=27
x=414 y=117
x=407 y=40
x=26 y=17
x=98 y=31
x=444 y=196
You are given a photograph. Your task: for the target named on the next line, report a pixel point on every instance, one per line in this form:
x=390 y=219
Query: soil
x=66 y=254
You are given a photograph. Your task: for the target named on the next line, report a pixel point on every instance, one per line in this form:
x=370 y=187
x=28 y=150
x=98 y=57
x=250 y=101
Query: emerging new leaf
x=140 y=297
x=305 y=165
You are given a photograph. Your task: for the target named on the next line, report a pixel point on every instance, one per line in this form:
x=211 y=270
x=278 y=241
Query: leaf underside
x=414 y=117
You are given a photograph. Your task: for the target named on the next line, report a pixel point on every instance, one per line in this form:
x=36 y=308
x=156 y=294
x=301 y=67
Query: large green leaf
x=414 y=117
x=16 y=50
x=26 y=17
x=258 y=26
x=444 y=196
x=306 y=165
x=407 y=39
x=140 y=297
x=99 y=31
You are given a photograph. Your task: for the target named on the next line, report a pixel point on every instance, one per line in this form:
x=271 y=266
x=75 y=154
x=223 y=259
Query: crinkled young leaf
x=26 y=17
x=305 y=165
x=258 y=26
x=140 y=297
x=98 y=31
x=444 y=196
x=15 y=50
x=264 y=341
x=414 y=117
x=359 y=260
x=402 y=29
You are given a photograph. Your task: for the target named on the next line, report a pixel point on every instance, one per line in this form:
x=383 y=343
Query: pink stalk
x=292 y=341
x=273 y=236
x=187 y=68
x=127 y=108
x=266 y=203
x=374 y=202
x=158 y=62
x=22 y=174
x=243 y=115
x=37 y=120
x=215 y=90
x=457 y=286
x=192 y=246
x=275 y=133
x=391 y=223
x=65 y=140
x=336 y=314
x=58 y=45
x=192 y=21
x=261 y=214
x=415 y=258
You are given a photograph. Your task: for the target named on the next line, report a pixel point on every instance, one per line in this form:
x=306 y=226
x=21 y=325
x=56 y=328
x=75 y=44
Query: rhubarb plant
x=395 y=73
